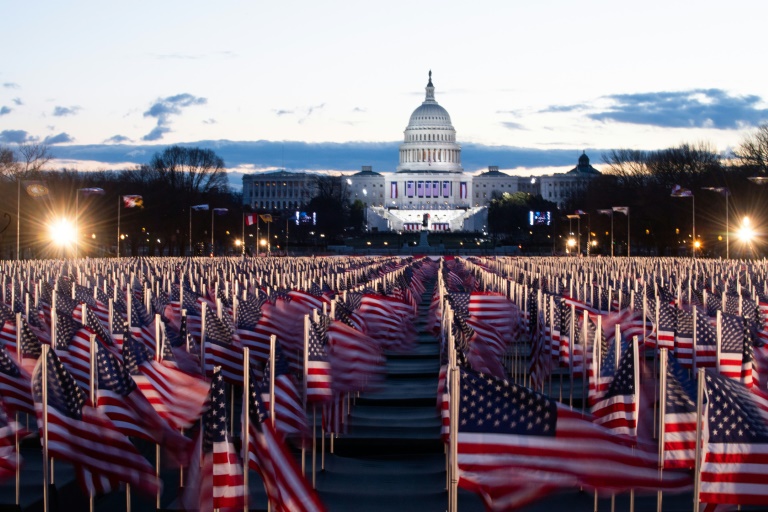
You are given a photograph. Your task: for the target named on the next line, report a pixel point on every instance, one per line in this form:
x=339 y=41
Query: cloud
x=209 y=121
x=164 y=108
x=512 y=126
x=303 y=113
x=59 y=111
x=563 y=108
x=117 y=139
x=11 y=85
x=5 y=110
x=17 y=102
x=316 y=157
x=696 y=108
x=358 y=109
x=62 y=138
x=156 y=133
x=16 y=137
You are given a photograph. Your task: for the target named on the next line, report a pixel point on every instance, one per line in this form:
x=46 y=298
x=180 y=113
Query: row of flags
x=516 y=445
x=125 y=329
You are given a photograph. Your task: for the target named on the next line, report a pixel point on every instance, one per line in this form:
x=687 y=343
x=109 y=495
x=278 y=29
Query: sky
x=331 y=85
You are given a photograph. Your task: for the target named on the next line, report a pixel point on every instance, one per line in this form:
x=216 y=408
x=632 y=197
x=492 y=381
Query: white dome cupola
x=430 y=139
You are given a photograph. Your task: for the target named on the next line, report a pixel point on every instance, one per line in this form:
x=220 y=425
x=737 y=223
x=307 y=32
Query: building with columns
x=429 y=181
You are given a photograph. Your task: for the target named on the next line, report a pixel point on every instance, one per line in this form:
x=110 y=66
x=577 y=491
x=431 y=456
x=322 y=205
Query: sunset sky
x=331 y=85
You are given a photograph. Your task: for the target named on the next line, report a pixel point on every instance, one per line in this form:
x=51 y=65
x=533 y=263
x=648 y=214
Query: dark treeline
x=659 y=224
x=173 y=181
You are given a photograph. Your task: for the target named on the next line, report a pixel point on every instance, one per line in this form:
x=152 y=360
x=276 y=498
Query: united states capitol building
x=429 y=185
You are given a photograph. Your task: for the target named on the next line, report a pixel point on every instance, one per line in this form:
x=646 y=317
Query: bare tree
x=629 y=166
x=753 y=150
x=8 y=163
x=190 y=170
x=33 y=157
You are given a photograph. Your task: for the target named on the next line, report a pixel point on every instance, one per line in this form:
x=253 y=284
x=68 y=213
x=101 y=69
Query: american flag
x=540 y=367
x=73 y=346
x=356 y=361
x=618 y=409
x=318 y=365
x=216 y=473
x=290 y=418
x=269 y=455
x=120 y=399
x=177 y=397
x=735 y=459
x=679 y=417
x=684 y=338
x=8 y=456
x=516 y=445
x=665 y=331
x=733 y=339
x=84 y=436
x=14 y=386
x=248 y=316
x=223 y=349
x=705 y=355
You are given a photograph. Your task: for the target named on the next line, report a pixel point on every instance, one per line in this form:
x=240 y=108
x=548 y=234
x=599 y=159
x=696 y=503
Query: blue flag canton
x=494 y=406
x=257 y=412
x=354 y=300
x=318 y=338
x=460 y=303
x=6 y=314
x=30 y=344
x=705 y=332
x=681 y=390
x=112 y=374
x=733 y=334
x=732 y=414
x=134 y=354
x=215 y=418
x=7 y=366
x=66 y=327
x=249 y=313
x=623 y=382
x=282 y=367
x=684 y=323
x=63 y=392
x=217 y=331
x=92 y=321
x=732 y=304
x=667 y=318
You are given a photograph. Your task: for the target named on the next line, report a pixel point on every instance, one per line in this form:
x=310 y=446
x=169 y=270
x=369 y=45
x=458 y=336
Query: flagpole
x=118 y=226
x=693 y=203
x=77 y=220
x=212 y=230
x=246 y=424
x=242 y=219
x=611 y=232
x=662 y=412
x=190 y=232
x=18 y=215
x=699 y=419
x=46 y=475
x=727 y=226
x=629 y=251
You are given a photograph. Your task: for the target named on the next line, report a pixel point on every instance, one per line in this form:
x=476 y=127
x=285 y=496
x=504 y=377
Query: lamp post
x=578 y=230
x=726 y=193
x=678 y=191
x=609 y=211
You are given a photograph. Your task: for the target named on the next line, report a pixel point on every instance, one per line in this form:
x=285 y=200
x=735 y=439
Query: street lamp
x=745 y=233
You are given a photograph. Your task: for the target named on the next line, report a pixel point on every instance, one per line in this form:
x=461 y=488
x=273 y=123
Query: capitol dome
x=429 y=143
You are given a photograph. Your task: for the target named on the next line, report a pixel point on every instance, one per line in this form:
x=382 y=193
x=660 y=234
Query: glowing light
x=62 y=232
x=571 y=242
x=238 y=243
x=263 y=242
x=745 y=233
x=697 y=244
